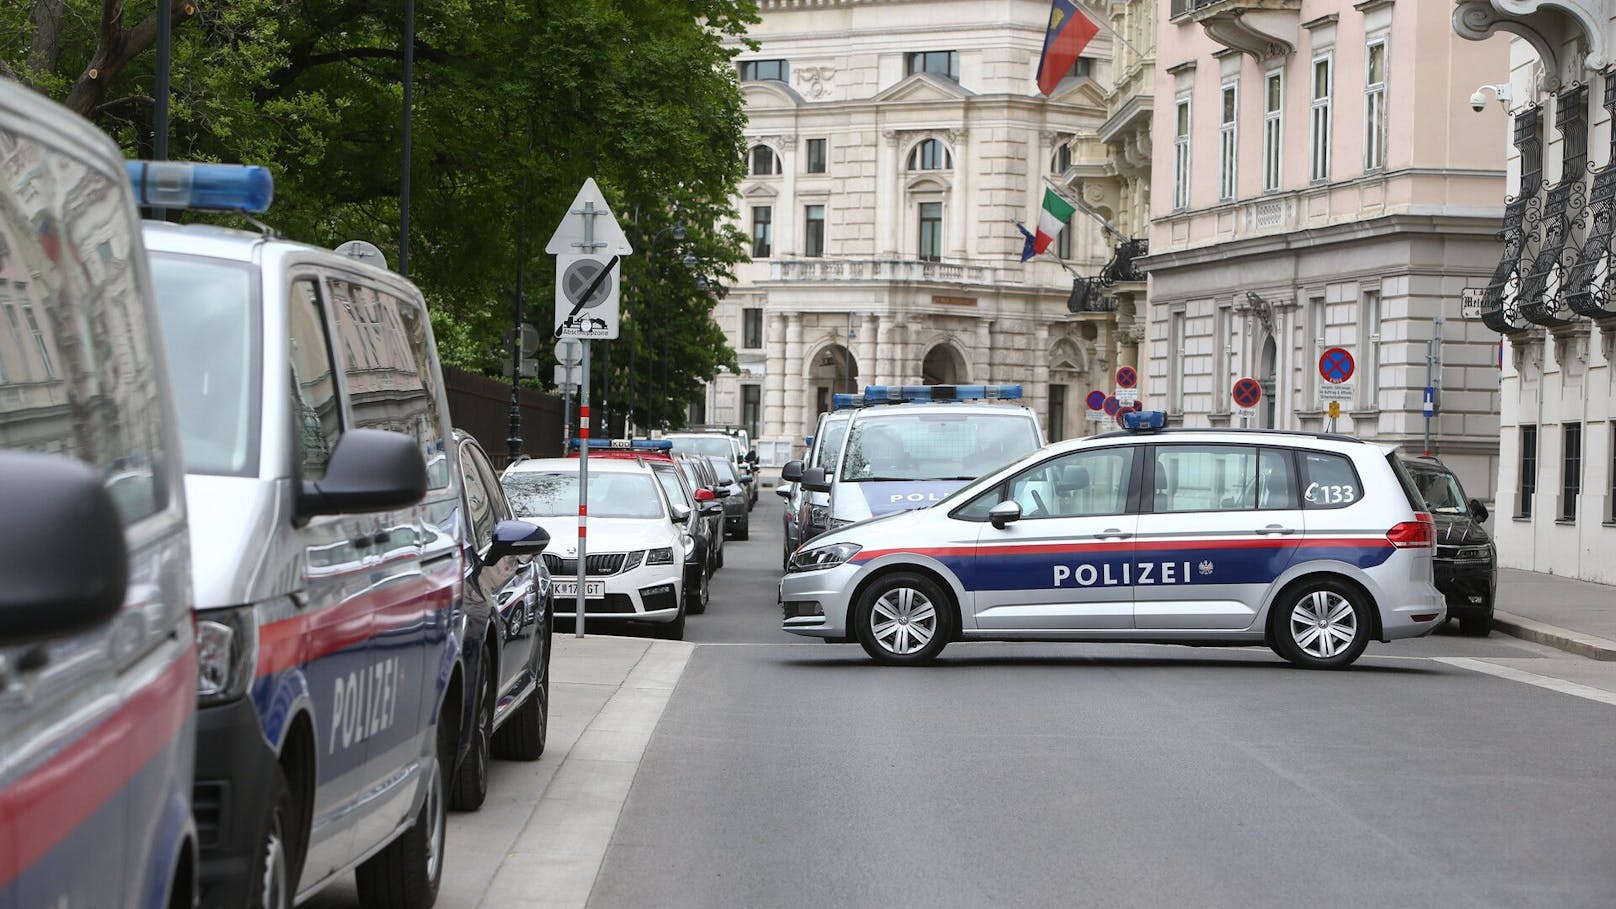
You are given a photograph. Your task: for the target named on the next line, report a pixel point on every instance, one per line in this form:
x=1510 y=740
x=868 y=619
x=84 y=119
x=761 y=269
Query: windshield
x=723 y=468
x=555 y=495
x=934 y=445
x=718 y=446
x=828 y=446
x=1440 y=490
x=210 y=316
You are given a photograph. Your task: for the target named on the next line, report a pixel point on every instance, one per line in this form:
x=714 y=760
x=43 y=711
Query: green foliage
x=516 y=103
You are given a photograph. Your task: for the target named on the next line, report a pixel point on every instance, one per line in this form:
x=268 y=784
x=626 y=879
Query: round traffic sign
x=1112 y=405
x=1119 y=419
x=1336 y=365
x=569 y=352
x=1127 y=377
x=579 y=276
x=1246 y=392
x=1096 y=400
x=1138 y=405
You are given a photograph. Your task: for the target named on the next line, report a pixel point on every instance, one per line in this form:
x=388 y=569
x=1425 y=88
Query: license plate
x=592 y=589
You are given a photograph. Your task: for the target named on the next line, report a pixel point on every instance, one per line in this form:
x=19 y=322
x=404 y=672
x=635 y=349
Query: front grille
x=207 y=806
x=597 y=565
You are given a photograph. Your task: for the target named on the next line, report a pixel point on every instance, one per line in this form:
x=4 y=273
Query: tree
x=516 y=103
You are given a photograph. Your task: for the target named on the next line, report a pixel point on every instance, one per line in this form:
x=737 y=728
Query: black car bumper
x=1468 y=586
x=230 y=798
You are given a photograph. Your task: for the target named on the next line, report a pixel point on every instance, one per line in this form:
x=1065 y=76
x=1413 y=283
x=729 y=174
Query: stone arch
x=944 y=364
x=832 y=369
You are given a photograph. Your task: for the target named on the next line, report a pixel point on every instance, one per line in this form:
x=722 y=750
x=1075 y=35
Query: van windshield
x=210 y=317
x=934 y=445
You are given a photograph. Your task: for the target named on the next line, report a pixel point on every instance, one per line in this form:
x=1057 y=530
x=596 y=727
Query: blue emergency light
x=201 y=187
x=926 y=394
x=625 y=444
x=1143 y=420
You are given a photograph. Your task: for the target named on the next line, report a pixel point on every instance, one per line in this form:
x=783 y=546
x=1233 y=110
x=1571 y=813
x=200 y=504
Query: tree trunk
x=116 y=48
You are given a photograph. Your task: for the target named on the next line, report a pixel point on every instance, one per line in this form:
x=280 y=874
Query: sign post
x=569 y=354
x=586 y=280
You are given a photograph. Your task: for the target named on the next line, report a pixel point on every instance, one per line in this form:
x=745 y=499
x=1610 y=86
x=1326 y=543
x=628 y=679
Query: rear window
x=715 y=445
x=611 y=495
x=1328 y=481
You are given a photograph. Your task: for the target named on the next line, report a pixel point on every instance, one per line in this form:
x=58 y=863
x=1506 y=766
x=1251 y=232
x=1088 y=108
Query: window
x=1061 y=160
x=1320 y=128
x=1083 y=484
x=1202 y=478
x=751 y=408
x=1082 y=68
x=1222 y=350
x=479 y=500
x=1181 y=155
x=1317 y=314
x=313 y=381
x=1273 y=128
x=762 y=231
x=1228 y=142
x=1328 y=481
x=940 y=63
x=931 y=231
x=1370 y=326
x=1063 y=242
x=814 y=156
x=1527 y=483
x=752 y=328
x=1570 y=471
x=765 y=163
x=760 y=70
x=813 y=234
x=40 y=345
x=1175 y=363
x=698 y=411
x=1056 y=420
x=930 y=155
x=1375 y=114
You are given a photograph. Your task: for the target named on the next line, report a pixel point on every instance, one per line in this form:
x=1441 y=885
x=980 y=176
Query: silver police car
x=1312 y=544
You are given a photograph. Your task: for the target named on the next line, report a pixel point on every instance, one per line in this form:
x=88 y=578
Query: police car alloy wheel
x=1321 y=625
x=903 y=619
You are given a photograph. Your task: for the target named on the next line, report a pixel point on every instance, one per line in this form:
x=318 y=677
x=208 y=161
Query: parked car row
x=307 y=618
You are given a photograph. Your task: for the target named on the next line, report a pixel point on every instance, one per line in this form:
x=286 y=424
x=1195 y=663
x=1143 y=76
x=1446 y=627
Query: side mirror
x=1004 y=513
x=783 y=492
x=791 y=472
x=369 y=470
x=517 y=538
x=814 y=480
x=1478 y=511
x=712 y=509
x=678 y=513
x=703 y=494
x=746 y=477
x=62 y=553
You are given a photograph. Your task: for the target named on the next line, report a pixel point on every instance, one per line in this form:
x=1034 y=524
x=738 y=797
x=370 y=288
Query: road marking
x=1531 y=678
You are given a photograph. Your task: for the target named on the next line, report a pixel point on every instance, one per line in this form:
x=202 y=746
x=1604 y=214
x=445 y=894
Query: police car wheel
x=274 y=869
x=1323 y=624
x=903 y=619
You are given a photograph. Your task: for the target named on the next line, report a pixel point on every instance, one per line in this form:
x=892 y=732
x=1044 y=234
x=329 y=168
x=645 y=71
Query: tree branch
x=116 y=47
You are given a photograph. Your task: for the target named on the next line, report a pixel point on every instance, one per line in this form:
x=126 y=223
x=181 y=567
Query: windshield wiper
x=966 y=479
x=883 y=479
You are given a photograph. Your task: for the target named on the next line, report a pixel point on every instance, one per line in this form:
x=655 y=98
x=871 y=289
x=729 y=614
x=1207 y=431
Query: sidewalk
x=1575 y=616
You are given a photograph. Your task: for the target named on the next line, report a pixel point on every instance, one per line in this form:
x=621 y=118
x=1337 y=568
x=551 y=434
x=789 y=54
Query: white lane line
x=1531 y=678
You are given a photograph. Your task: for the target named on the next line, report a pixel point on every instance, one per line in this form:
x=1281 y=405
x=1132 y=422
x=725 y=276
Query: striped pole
x=583 y=491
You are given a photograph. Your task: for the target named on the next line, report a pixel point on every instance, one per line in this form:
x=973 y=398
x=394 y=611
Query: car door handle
x=1112 y=533
x=1275 y=530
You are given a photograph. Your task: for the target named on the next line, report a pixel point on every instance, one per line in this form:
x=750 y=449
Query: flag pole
x=1100 y=21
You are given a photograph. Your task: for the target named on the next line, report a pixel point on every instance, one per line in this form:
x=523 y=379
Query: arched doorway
x=1268 y=376
x=943 y=365
x=833 y=372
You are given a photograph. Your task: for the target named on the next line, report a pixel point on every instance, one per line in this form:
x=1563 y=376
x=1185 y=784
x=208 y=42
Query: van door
x=1067 y=562
x=1222 y=522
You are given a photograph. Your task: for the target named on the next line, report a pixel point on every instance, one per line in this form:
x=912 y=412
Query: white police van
x=910 y=446
x=1313 y=544
x=321 y=474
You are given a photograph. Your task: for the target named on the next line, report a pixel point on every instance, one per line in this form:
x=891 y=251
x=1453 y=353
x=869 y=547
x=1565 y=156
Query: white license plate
x=569 y=589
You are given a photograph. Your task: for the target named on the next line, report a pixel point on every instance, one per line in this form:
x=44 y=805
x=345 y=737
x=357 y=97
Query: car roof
x=898 y=409
x=1240 y=435
x=214 y=242
x=1319 y=441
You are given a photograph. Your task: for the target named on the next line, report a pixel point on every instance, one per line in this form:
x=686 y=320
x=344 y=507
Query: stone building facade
x=1321 y=182
x=893 y=147
x=1550 y=295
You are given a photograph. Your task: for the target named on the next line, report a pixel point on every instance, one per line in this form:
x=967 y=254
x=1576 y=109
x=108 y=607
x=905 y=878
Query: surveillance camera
x=1478 y=101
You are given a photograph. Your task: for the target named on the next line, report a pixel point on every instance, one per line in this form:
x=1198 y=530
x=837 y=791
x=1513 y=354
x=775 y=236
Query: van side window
x=1328 y=481
x=314 y=389
x=1197 y=478
x=1081 y=484
x=1276 y=484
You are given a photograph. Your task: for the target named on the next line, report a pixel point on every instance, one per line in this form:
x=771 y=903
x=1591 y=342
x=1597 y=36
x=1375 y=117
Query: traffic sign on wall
x=1246 y=395
x=1336 y=365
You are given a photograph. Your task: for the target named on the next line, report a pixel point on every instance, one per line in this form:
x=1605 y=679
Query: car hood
x=874 y=498
x=607 y=534
x=1458 y=530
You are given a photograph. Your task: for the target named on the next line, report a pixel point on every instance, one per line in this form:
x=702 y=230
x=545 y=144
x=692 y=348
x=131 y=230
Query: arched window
x=1061 y=160
x=930 y=155
x=764 y=162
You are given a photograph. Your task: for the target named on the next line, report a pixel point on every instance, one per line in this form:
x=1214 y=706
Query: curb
x=1587 y=645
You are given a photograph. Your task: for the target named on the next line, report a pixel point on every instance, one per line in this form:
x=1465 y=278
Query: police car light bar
x=922 y=394
x=625 y=444
x=1143 y=420
x=201 y=187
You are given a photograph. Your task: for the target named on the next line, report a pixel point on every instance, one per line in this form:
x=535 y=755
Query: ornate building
x=893 y=147
x=1323 y=183
x=1550 y=294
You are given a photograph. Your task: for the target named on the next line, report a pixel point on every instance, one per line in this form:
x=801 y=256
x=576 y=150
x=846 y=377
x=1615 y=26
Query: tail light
x=1419 y=533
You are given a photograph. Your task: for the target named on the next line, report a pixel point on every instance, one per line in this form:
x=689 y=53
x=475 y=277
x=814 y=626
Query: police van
x=97 y=657
x=910 y=446
x=1312 y=544
x=807 y=514
x=320 y=469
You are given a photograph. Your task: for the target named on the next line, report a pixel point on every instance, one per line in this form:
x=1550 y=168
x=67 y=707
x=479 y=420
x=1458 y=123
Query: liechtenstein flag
x=1070 y=30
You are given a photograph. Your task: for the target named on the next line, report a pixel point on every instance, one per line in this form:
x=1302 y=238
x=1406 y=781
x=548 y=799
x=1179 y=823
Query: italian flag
x=1056 y=213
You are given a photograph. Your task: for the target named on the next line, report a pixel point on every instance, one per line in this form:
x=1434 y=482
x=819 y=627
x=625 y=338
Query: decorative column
x=774 y=378
x=982 y=369
x=887 y=216
x=794 y=380
x=869 y=369
x=959 y=195
x=1040 y=374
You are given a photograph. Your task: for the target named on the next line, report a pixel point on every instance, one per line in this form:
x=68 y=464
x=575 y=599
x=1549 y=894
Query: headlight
x=226 y=654
x=689 y=542
x=838 y=523
x=1473 y=552
x=663 y=556
x=823 y=557
x=819 y=515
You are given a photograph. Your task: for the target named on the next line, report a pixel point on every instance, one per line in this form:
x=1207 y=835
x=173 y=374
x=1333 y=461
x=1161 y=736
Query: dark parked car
x=737 y=517
x=506 y=644
x=695 y=512
x=1466 y=560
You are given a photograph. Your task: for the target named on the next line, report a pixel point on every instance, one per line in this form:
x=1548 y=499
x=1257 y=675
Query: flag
x=1056 y=213
x=1070 y=30
x=1027 y=249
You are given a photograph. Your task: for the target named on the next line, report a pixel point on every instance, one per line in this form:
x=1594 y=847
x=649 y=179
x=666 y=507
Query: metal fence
x=481 y=406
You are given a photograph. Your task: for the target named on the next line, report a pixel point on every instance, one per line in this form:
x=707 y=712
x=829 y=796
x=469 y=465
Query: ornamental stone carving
x=816 y=80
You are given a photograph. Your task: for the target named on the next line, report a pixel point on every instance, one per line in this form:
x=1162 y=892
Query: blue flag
x=1027 y=251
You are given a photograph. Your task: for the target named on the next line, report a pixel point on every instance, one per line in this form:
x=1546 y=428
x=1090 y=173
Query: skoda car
x=1311 y=544
x=1466 y=560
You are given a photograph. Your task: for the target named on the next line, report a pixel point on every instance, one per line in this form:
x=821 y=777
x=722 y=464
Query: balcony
x=1262 y=28
x=911 y=271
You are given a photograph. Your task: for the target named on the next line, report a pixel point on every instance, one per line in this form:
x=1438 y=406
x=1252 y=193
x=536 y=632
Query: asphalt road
x=786 y=772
